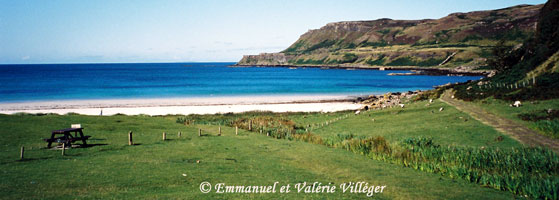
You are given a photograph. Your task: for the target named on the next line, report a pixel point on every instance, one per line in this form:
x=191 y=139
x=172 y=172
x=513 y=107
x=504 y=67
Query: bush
x=503 y=57
x=539 y=115
x=429 y=94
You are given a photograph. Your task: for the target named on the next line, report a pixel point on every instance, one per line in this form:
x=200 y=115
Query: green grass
x=449 y=127
x=154 y=168
x=470 y=151
x=408 y=61
x=502 y=108
x=549 y=127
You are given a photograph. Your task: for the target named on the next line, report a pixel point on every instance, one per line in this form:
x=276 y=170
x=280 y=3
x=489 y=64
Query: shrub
x=539 y=115
x=430 y=94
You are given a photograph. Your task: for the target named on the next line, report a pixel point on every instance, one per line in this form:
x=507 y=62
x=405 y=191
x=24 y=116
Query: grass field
x=447 y=127
x=538 y=108
x=169 y=169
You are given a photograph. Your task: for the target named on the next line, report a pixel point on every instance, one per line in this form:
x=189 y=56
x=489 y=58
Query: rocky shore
x=387 y=100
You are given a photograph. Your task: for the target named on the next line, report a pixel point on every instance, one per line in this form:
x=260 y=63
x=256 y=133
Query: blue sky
x=98 y=31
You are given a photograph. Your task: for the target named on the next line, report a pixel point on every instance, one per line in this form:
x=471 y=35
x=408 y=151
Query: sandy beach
x=185 y=106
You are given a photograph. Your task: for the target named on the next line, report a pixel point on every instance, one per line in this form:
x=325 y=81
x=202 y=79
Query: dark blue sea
x=164 y=80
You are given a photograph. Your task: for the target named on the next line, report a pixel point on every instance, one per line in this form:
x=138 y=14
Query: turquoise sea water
x=164 y=80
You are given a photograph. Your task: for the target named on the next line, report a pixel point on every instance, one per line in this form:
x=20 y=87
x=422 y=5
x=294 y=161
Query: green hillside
x=459 y=40
x=528 y=74
x=529 y=71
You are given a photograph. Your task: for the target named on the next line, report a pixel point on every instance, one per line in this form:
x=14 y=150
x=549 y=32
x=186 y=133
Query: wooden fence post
x=21 y=153
x=219 y=133
x=199 y=132
x=130 y=138
x=180 y=134
x=164 y=136
x=250 y=125
x=534 y=80
x=236 y=130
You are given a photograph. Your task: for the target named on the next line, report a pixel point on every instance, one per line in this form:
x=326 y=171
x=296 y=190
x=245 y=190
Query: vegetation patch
x=408 y=61
x=377 y=62
x=323 y=44
x=295 y=47
x=380 y=43
x=349 y=58
x=549 y=127
x=384 y=31
x=309 y=61
x=523 y=171
x=540 y=115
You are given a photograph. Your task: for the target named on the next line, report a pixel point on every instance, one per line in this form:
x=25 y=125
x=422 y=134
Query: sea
x=47 y=82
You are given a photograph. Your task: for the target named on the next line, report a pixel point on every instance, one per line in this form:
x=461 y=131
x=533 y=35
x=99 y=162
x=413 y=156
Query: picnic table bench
x=67 y=138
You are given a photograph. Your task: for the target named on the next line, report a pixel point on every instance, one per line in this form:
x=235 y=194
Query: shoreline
x=420 y=70
x=185 y=106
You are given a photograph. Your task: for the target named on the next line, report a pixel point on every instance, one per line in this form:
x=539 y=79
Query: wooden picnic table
x=67 y=137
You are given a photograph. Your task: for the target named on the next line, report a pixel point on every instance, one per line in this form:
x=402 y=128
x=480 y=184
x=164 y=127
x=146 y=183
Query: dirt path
x=506 y=126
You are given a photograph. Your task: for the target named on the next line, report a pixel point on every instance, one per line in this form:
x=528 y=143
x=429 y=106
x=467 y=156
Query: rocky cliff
x=457 y=40
x=267 y=59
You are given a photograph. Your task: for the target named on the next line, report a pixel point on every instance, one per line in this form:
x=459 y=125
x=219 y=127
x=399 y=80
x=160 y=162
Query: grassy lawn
x=447 y=127
x=169 y=169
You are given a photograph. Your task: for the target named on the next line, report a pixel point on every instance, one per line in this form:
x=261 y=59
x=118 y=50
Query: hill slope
x=527 y=71
x=459 y=39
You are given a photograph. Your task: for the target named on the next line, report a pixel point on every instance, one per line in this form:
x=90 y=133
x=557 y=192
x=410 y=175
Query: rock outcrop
x=266 y=59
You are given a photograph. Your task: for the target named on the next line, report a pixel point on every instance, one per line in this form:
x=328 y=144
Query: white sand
x=185 y=106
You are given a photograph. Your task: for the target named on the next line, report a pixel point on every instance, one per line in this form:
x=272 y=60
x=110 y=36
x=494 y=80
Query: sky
x=107 y=31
